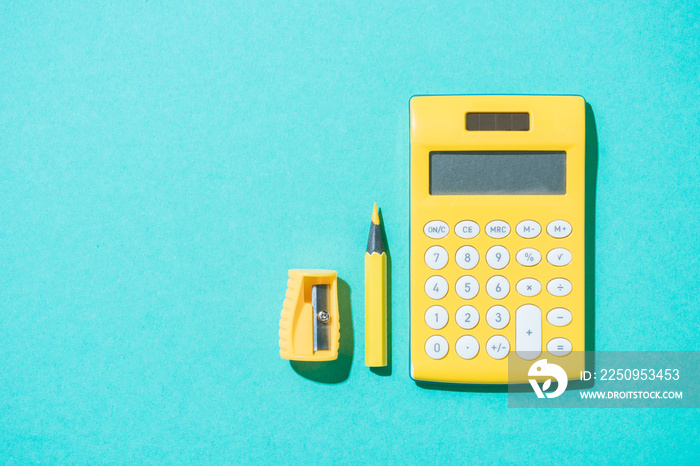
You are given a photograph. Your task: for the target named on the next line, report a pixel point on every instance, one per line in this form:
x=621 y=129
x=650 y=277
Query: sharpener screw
x=323 y=316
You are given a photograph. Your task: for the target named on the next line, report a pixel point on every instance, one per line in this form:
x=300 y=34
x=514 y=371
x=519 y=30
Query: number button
x=467 y=257
x=559 y=317
x=436 y=287
x=528 y=287
x=528 y=229
x=497 y=287
x=498 y=347
x=497 y=229
x=436 y=229
x=467 y=347
x=436 y=317
x=559 y=346
x=498 y=317
x=436 y=257
x=467 y=229
x=559 y=287
x=559 y=257
x=436 y=347
x=528 y=257
x=467 y=287
x=467 y=317
x=497 y=257
x=559 y=229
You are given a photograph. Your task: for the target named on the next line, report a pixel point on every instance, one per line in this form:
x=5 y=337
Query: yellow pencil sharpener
x=309 y=325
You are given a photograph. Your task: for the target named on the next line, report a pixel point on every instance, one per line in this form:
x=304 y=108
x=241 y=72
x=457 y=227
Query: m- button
x=498 y=229
x=559 y=229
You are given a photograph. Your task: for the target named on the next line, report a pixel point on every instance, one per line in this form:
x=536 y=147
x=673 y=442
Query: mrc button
x=497 y=229
x=436 y=229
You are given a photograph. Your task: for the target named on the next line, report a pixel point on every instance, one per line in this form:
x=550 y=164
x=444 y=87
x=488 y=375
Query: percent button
x=528 y=257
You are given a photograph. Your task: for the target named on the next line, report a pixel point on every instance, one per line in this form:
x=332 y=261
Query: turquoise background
x=164 y=163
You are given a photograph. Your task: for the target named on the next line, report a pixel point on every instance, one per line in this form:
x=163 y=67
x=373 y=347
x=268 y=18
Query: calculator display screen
x=498 y=172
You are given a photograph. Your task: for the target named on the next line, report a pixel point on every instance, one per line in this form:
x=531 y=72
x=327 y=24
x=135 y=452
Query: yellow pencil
x=375 y=296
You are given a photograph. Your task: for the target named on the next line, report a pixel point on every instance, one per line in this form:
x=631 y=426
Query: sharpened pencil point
x=375 y=215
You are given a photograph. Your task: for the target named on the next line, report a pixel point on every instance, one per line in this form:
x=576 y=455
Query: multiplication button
x=436 y=287
x=436 y=347
x=498 y=347
x=528 y=287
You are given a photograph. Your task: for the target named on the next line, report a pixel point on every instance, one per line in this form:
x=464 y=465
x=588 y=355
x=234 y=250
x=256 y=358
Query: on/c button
x=436 y=229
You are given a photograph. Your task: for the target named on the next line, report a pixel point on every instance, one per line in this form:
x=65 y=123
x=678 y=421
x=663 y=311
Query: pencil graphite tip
x=375 y=215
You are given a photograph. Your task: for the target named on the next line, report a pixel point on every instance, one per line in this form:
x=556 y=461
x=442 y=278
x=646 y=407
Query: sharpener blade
x=322 y=328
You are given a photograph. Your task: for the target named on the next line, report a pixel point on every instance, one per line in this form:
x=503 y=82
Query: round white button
x=467 y=257
x=436 y=317
x=436 y=229
x=497 y=229
x=436 y=287
x=559 y=346
x=497 y=257
x=528 y=257
x=498 y=317
x=436 y=257
x=528 y=229
x=559 y=317
x=528 y=287
x=467 y=347
x=559 y=229
x=467 y=287
x=436 y=347
x=498 y=287
x=467 y=317
x=498 y=347
x=559 y=257
x=559 y=287
x=467 y=229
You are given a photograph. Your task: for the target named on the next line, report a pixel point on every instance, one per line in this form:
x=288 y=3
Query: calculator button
x=467 y=257
x=436 y=347
x=467 y=317
x=528 y=229
x=467 y=347
x=559 y=257
x=436 y=317
x=497 y=229
x=528 y=331
x=528 y=287
x=436 y=229
x=467 y=287
x=498 y=317
x=559 y=317
x=498 y=347
x=559 y=287
x=497 y=287
x=497 y=257
x=436 y=257
x=559 y=229
x=528 y=257
x=467 y=229
x=436 y=287
x=559 y=346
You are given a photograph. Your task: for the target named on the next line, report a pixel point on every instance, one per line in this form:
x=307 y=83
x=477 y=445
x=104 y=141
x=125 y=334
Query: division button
x=559 y=287
x=467 y=287
x=497 y=317
x=467 y=229
x=497 y=287
x=559 y=346
x=528 y=287
x=436 y=287
x=498 y=347
x=436 y=257
x=467 y=257
x=436 y=347
x=436 y=317
x=467 y=347
x=528 y=229
x=467 y=317
x=559 y=317
x=528 y=257
x=528 y=331
x=559 y=229
x=497 y=229
x=559 y=257
x=436 y=229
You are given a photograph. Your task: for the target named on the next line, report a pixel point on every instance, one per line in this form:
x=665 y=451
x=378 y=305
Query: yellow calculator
x=497 y=234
